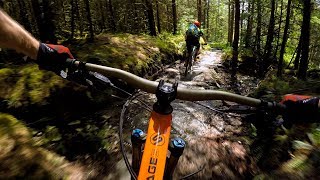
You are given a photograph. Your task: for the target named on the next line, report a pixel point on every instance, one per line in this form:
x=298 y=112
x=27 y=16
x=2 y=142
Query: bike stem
x=165 y=95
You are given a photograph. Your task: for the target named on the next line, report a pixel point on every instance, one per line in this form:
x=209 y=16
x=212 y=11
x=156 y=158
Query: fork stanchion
x=138 y=138
x=176 y=148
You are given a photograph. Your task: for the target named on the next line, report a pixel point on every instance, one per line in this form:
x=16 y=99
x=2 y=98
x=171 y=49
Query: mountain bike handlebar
x=182 y=93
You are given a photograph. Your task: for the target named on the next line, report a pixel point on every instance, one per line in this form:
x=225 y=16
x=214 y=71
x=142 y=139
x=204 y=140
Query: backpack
x=193 y=32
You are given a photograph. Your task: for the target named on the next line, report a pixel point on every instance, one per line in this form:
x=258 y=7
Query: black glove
x=53 y=57
x=301 y=108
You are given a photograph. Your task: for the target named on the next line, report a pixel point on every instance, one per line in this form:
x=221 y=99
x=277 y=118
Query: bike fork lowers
x=153 y=163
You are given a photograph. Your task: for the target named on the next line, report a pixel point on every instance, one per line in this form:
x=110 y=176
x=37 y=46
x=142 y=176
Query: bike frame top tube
x=182 y=93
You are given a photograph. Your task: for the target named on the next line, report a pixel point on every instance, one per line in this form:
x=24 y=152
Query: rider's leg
x=197 y=50
x=189 y=44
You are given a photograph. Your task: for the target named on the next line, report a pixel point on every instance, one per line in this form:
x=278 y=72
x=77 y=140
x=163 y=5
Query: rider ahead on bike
x=192 y=37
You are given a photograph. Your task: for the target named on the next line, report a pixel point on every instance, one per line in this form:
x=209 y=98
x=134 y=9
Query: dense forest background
x=277 y=42
x=282 y=33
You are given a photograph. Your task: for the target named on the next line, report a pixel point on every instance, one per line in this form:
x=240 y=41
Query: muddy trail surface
x=215 y=142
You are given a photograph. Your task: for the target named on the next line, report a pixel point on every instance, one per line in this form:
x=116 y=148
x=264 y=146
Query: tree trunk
x=258 y=38
x=199 y=8
x=174 y=16
x=89 y=19
x=305 y=34
x=236 y=37
x=64 y=15
x=79 y=17
x=103 y=21
x=241 y=23
x=158 y=17
x=268 y=47
x=135 y=17
x=24 y=16
x=204 y=17
x=44 y=17
x=297 y=59
x=112 y=17
x=231 y=20
x=217 y=33
x=207 y=24
x=151 y=24
x=284 y=39
x=279 y=29
x=248 y=36
x=229 y=23
x=72 y=19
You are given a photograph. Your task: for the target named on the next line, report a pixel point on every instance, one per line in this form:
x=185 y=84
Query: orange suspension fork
x=156 y=147
x=158 y=136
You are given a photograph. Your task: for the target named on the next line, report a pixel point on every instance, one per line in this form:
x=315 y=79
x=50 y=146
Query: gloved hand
x=301 y=108
x=53 y=57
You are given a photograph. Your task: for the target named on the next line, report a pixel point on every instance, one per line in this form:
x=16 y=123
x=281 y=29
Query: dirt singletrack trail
x=215 y=141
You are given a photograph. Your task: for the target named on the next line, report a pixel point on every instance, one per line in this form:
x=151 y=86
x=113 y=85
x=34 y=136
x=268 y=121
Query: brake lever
x=86 y=78
x=241 y=109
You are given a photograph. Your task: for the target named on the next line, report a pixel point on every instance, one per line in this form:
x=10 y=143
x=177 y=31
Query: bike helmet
x=197 y=23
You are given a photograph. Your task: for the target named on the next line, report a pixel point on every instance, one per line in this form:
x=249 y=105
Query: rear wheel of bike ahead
x=190 y=61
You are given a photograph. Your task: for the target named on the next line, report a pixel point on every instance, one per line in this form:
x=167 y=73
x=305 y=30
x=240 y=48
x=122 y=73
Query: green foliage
x=306 y=157
x=245 y=52
x=21 y=158
x=129 y=52
x=27 y=85
x=273 y=88
x=227 y=53
x=11 y=127
x=171 y=44
x=303 y=153
x=219 y=45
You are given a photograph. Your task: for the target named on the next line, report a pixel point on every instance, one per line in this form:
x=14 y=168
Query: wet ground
x=216 y=142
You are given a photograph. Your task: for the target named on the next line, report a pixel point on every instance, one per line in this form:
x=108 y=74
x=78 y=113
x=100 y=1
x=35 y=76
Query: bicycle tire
x=187 y=67
x=190 y=61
